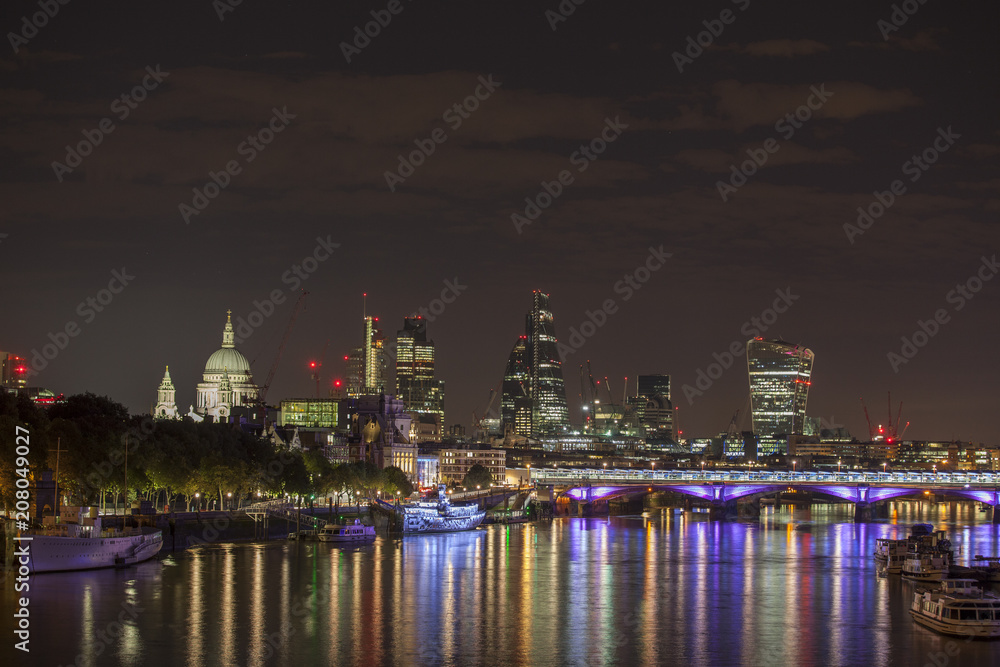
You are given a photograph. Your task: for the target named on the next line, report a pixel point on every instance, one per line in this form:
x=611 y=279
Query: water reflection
x=797 y=587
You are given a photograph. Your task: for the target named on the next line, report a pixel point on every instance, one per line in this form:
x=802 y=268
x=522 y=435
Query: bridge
x=869 y=491
x=281 y=509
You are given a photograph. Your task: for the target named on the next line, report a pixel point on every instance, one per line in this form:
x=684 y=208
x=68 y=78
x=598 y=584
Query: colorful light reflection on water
x=797 y=588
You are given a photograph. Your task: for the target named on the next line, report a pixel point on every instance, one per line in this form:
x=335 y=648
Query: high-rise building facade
x=368 y=365
x=515 y=400
x=549 y=414
x=780 y=377
x=376 y=358
x=13 y=371
x=533 y=399
x=415 y=383
x=654 y=410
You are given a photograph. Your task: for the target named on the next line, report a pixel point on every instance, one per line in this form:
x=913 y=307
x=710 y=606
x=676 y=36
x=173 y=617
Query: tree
x=478 y=475
x=395 y=480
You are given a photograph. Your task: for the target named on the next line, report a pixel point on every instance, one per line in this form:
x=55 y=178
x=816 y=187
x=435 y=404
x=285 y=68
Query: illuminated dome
x=227 y=359
x=227 y=382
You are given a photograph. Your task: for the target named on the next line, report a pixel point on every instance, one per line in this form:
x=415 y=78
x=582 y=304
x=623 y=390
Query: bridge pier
x=726 y=510
x=750 y=509
x=864 y=512
x=996 y=514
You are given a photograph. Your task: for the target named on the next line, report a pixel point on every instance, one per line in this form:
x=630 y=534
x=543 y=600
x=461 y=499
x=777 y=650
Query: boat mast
x=57 y=450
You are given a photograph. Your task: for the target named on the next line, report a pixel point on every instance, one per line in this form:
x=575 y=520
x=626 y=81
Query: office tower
x=653 y=407
x=779 y=387
x=355 y=376
x=375 y=358
x=653 y=385
x=515 y=401
x=415 y=383
x=13 y=371
x=549 y=414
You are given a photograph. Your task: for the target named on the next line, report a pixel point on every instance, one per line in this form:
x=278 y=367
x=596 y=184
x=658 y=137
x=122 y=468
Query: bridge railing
x=956 y=479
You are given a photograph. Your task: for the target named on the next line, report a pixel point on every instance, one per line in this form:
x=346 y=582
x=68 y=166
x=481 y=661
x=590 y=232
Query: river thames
x=799 y=587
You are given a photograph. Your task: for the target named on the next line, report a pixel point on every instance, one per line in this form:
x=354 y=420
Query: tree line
x=169 y=462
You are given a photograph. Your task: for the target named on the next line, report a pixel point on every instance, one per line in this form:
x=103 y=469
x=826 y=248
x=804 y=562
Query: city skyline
x=805 y=174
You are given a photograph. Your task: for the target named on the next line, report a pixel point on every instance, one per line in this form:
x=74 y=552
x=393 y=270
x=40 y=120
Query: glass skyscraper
x=780 y=375
x=549 y=414
x=415 y=383
x=533 y=398
x=515 y=401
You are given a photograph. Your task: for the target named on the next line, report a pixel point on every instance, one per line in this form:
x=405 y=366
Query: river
x=798 y=587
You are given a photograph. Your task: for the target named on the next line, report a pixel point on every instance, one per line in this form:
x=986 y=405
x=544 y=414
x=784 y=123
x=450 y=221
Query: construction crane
x=315 y=367
x=262 y=394
x=889 y=432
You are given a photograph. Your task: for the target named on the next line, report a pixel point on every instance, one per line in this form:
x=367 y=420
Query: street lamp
x=229 y=495
x=884 y=464
x=838 y=466
x=935 y=468
x=793 y=466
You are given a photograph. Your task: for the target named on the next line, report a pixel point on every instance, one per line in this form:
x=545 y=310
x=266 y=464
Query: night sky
x=876 y=104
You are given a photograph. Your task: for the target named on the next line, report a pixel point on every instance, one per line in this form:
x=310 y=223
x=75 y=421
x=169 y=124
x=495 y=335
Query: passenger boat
x=79 y=543
x=353 y=533
x=439 y=516
x=959 y=608
x=890 y=554
x=927 y=566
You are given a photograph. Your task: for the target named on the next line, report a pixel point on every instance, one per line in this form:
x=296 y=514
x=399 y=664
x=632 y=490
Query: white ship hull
x=60 y=554
x=423 y=523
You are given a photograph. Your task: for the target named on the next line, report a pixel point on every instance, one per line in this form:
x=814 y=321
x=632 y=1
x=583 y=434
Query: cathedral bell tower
x=165 y=406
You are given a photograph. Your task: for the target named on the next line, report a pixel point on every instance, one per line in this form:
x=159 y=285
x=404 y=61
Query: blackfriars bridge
x=724 y=489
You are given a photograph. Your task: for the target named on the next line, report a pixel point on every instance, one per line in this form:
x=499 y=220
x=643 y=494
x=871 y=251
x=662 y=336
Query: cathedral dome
x=227 y=358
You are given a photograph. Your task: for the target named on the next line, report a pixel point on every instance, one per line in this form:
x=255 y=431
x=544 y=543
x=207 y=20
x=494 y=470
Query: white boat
x=438 y=516
x=959 y=608
x=890 y=554
x=354 y=533
x=80 y=544
x=926 y=566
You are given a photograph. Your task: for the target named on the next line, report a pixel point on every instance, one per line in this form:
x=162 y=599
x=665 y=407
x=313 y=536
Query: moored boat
x=79 y=543
x=890 y=554
x=959 y=608
x=440 y=516
x=926 y=566
x=987 y=567
x=353 y=533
